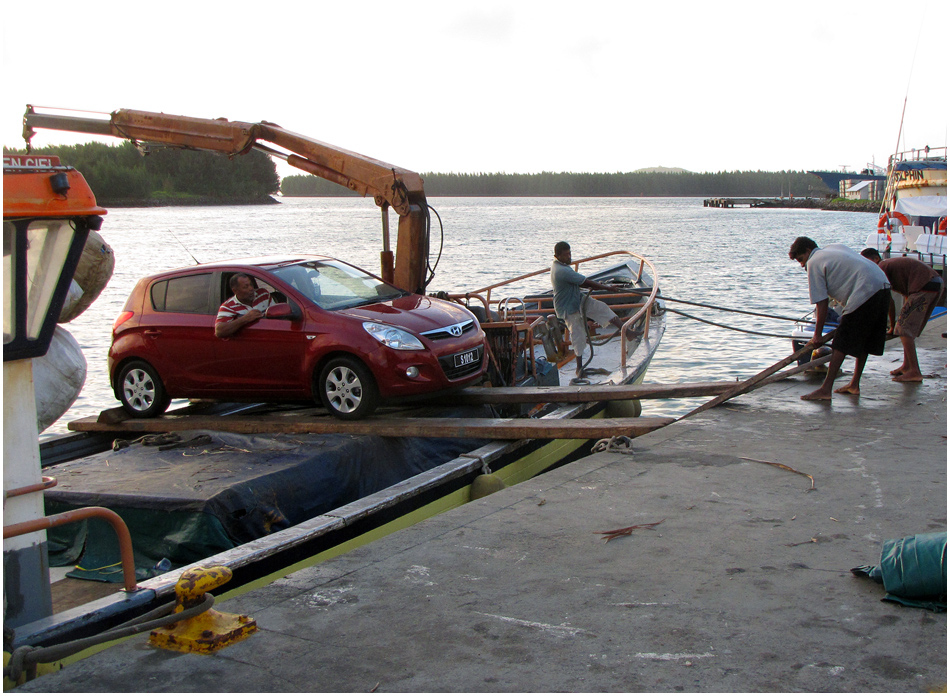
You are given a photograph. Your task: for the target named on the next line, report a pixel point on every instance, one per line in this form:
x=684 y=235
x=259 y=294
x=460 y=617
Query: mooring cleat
x=209 y=631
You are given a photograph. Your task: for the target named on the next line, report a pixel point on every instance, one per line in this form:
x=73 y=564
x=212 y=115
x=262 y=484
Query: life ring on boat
x=882 y=223
x=942 y=226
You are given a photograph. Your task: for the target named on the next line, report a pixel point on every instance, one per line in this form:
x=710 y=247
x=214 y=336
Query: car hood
x=416 y=313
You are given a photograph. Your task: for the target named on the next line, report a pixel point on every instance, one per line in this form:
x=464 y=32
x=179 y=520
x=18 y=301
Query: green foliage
x=121 y=173
x=117 y=181
x=568 y=184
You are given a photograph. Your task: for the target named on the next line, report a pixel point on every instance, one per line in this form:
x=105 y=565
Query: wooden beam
x=581 y=394
x=755 y=380
x=487 y=428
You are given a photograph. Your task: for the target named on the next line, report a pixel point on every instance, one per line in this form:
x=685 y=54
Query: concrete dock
x=741 y=584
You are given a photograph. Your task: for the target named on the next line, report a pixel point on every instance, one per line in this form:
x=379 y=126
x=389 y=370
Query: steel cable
x=722 y=309
x=26 y=657
x=731 y=328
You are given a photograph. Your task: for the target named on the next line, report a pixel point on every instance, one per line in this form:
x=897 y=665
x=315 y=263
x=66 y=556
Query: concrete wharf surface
x=744 y=584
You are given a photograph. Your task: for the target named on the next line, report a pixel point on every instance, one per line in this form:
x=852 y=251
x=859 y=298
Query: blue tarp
x=911 y=165
x=913 y=571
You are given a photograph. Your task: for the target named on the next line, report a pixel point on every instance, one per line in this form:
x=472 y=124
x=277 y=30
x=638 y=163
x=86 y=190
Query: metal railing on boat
x=644 y=308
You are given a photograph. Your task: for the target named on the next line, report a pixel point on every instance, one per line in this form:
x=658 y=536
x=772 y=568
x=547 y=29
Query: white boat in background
x=914 y=212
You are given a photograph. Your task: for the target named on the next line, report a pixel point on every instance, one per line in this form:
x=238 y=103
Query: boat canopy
x=912 y=165
x=922 y=206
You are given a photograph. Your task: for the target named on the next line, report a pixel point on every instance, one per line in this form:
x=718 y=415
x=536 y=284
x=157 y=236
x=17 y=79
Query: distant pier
x=763 y=202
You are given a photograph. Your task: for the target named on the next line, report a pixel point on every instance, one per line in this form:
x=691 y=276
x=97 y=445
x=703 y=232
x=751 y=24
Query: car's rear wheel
x=347 y=389
x=141 y=390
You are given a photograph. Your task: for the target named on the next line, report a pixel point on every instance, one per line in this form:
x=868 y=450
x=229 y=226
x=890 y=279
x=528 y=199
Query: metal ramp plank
x=488 y=428
x=583 y=393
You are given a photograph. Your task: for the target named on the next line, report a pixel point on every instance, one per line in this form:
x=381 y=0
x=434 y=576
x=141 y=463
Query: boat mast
x=897 y=147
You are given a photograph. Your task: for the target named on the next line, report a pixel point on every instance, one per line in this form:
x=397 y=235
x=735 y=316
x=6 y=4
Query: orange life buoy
x=882 y=222
x=942 y=226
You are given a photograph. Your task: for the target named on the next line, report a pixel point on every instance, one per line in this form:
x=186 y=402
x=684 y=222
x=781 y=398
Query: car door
x=176 y=330
x=266 y=357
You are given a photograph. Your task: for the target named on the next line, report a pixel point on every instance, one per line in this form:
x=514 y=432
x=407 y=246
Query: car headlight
x=391 y=337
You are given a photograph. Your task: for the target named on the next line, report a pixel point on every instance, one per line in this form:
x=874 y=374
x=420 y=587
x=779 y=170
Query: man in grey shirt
x=838 y=272
x=569 y=301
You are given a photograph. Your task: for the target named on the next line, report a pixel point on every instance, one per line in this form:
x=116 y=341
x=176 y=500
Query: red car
x=332 y=332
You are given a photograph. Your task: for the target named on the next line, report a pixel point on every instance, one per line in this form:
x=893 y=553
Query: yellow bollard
x=210 y=631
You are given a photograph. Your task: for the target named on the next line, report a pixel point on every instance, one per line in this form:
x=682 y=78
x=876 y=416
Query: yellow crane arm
x=390 y=186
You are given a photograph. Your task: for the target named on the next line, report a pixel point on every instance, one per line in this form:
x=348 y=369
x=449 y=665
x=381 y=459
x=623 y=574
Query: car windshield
x=335 y=285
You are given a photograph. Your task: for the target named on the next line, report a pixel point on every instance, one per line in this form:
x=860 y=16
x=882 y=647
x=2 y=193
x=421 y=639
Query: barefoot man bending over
x=921 y=287
x=840 y=273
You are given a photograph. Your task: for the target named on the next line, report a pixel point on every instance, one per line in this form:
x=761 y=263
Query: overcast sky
x=508 y=86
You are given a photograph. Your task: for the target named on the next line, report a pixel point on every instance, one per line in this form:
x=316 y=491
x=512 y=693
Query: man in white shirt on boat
x=838 y=272
x=573 y=306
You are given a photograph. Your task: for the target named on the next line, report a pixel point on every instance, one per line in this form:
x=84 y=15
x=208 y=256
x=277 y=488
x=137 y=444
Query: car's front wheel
x=141 y=390
x=347 y=389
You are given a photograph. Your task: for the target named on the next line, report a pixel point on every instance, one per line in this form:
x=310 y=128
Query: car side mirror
x=282 y=310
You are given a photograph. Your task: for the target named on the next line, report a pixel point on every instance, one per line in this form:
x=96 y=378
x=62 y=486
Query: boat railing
x=921 y=155
x=511 y=306
x=70 y=516
x=47 y=482
x=543 y=305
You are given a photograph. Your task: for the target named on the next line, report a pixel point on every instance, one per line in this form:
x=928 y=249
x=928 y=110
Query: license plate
x=466 y=358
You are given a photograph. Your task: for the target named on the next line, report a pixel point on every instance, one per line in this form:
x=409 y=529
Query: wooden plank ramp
x=302 y=422
x=579 y=394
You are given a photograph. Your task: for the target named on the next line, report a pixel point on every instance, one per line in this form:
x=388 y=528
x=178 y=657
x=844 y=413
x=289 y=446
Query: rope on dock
x=24 y=660
x=618 y=443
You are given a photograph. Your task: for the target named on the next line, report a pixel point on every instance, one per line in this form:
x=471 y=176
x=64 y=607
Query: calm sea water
x=731 y=258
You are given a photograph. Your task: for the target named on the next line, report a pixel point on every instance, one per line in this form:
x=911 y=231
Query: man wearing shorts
x=921 y=287
x=573 y=306
x=838 y=272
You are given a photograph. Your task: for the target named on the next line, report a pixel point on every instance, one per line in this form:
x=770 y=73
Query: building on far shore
x=862 y=190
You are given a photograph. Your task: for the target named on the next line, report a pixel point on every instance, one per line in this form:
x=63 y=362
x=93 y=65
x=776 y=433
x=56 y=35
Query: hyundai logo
x=456 y=330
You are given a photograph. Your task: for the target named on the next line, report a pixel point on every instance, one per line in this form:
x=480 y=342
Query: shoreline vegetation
x=122 y=177
x=836 y=204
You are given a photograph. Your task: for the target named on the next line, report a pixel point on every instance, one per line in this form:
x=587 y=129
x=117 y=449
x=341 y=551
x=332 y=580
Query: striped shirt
x=234 y=308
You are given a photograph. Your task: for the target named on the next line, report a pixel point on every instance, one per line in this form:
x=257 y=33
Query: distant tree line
x=119 y=174
x=567 y=184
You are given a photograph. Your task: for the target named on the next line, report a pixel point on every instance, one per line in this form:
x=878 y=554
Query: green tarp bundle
x=913 y=571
